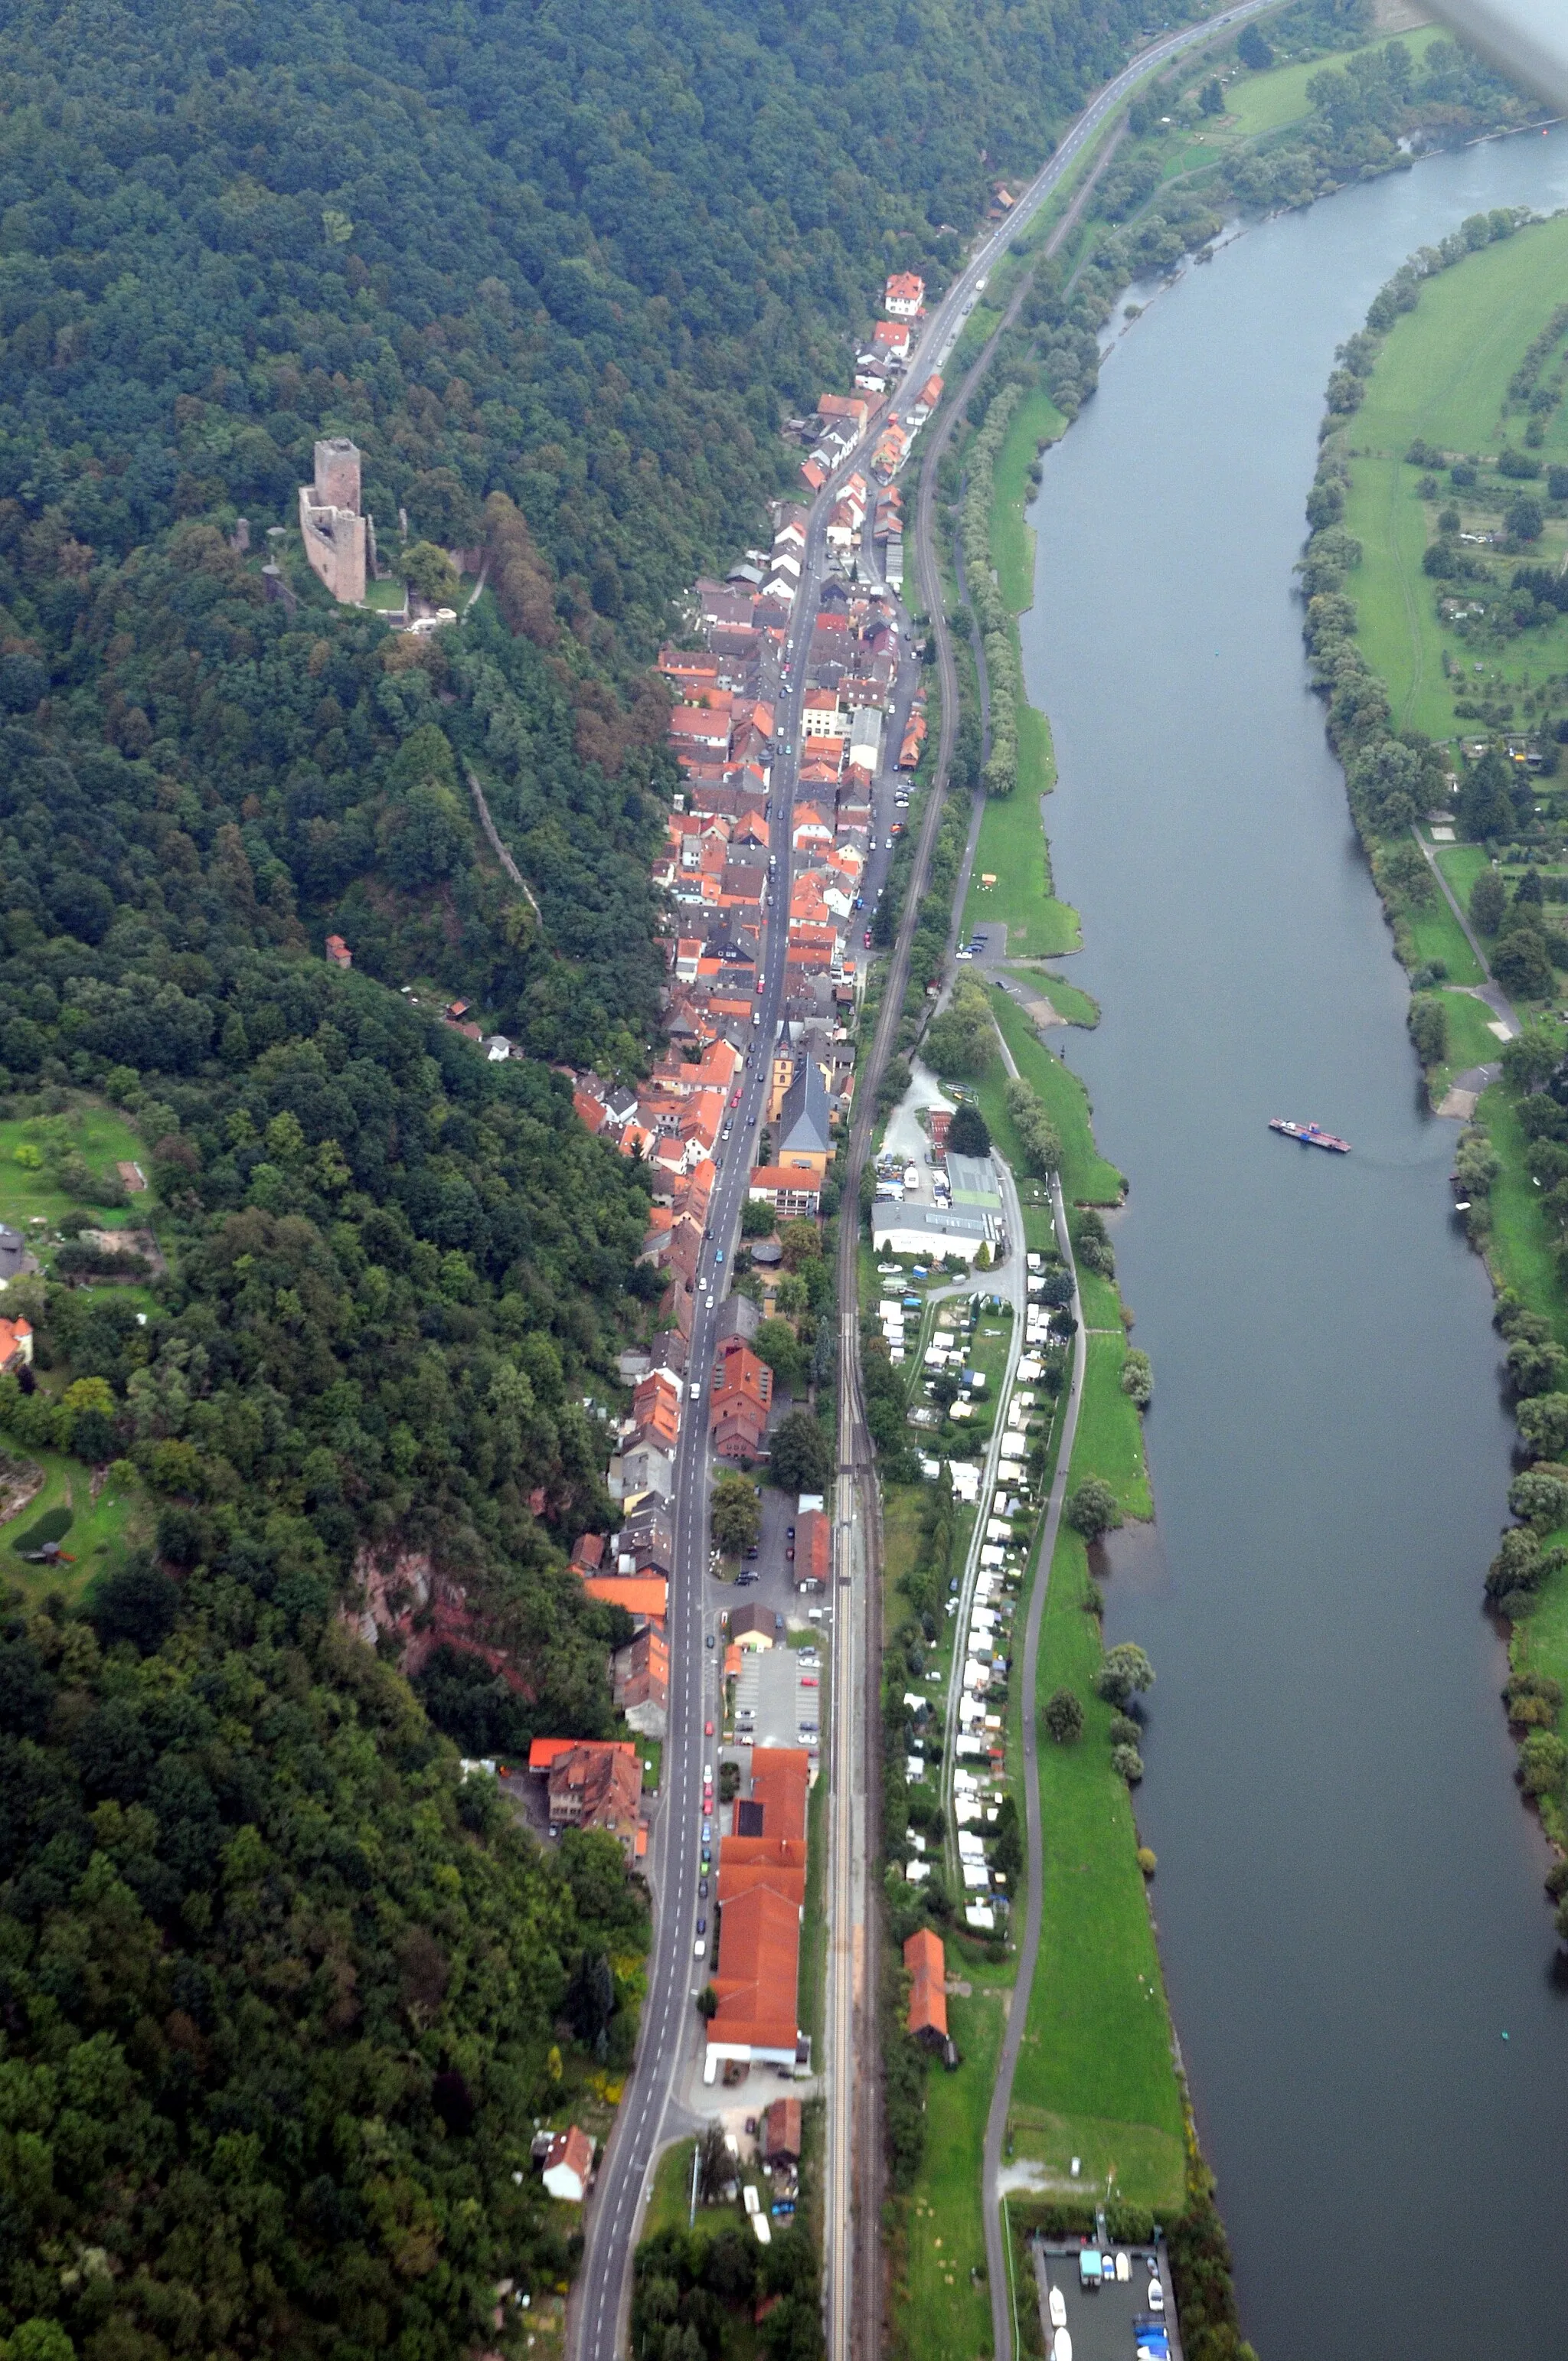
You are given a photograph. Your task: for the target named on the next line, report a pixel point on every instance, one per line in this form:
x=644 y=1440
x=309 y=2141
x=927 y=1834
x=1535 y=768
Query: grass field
x=101 y=1529
x=1443 y=375
x=1096 y=2078
x=1036 y=420
x=1110 y=1439
x=1266 y=102
x=1436 y=934
x=945 y=2288
x=100 y=1135
x=1087 y=1177
x=1014 y=851
x=1471 y=1041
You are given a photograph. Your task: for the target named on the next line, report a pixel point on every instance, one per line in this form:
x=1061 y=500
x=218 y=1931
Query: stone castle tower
x=336 y=534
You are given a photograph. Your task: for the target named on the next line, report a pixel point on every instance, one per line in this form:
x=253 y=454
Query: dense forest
x=280 y=1995
x=559 y=270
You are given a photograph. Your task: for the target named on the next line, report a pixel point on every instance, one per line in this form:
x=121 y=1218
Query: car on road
x=725 y=1133
x=711 y=1639
x=702 y=1889
x=789 y=1555
x=710 y=1304
x=719 y=1258
x=707 y=1729
x=751 y=1550
x=735 y=1101
x=702 y=1925
x=868 y=943
x=888 y=846
x=708 y=1774
x=708 y=1832
x=789 y=1533
x=700 y=1948
x=697 y=1393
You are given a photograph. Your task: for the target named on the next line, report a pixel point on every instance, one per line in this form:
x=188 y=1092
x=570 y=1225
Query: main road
x=667 y=2039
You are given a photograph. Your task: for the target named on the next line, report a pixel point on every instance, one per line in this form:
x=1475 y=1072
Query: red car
x=736 y=1100
x=868 y=938
x=707 y=1729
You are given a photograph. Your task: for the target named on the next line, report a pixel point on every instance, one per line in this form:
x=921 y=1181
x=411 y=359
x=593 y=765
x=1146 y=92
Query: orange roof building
x=762 y=1894
x=927 y=1970
x=643 y=1596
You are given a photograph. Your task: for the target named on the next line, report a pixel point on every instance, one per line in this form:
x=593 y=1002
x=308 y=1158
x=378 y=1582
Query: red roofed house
x=795 y=1195
x=597 y=1784
x=16 y=1343
x=813 y=1548
x=742 y=1391
x=337 y=951
x=928 y=1969
x=904 y=295
x=780 y=2130
x=568 y=2165
x=642 y=1677
x=761 y=1892
x=891 y=337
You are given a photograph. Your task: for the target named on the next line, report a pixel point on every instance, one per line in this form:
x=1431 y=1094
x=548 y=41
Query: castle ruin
x=339 y=542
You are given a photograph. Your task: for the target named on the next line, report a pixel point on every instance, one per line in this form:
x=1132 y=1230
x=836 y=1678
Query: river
x=1349 y=1893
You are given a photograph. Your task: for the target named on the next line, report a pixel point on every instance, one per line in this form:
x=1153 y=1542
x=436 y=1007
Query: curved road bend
x=667 y=2037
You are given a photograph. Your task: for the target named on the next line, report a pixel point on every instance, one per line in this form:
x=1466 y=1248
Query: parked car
x=711 y=1639
x=789 y=1533
x=789 y=1555
x=700 y=1948
x=868 y=938
x=702 y=1889
x=707 y=1729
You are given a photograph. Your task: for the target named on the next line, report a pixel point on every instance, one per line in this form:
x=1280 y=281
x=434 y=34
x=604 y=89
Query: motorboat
x=1057 y=2308
x=1061 y=2346
x=1157 y=2296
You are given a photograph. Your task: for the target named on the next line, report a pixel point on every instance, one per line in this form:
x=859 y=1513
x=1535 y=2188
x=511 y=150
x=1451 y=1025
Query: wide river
x=1357 y=1944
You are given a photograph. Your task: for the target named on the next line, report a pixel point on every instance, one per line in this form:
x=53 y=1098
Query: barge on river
x=1311 y=1135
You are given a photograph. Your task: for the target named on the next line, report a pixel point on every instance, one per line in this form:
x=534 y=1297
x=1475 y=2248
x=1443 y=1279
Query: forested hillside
x=281 y=1998
x=567 y=257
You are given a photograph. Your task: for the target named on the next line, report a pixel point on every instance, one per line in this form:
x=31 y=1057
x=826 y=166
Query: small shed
x=568 y=2165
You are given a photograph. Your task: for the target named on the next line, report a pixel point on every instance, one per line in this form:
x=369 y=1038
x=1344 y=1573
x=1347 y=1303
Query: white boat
x=1157 y=2296
x=1059 y=2307
x=1124 y=2268
x=1061 y=2349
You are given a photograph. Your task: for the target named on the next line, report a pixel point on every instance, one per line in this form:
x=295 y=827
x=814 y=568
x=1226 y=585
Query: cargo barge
x=1311 y=1135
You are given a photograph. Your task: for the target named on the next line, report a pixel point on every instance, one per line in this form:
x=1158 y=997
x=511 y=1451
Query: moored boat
x=1311 y=1135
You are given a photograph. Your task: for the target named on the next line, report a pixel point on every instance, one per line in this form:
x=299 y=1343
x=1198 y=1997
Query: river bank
x=1448 y=382
x=1345 y=1880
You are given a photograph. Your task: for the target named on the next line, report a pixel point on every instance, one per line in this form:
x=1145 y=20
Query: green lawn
x=1471 y=1042
x=1521 y=1247
x=100 y=1532
x=1087 y=1177
x=1262 y=102
x=1462 y=864
x=1014 y=851
x=1434 y=934
x=1096 y=2076
x=1110 y=1438
x=1036 y=420
x=101 y=1135
x=944 y=2288
x=1443 y=375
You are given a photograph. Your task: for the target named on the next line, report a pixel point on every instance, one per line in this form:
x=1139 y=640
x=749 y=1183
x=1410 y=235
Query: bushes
x=1038 y=1135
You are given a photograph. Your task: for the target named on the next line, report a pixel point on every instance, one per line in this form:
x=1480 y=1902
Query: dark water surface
x=1349 y=1894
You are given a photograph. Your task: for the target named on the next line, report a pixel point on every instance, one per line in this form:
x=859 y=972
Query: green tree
x=1092 y=1509
x=1211 y=98
x=1127 y=1763
x=735 y=1514
x=1137 y=1378
x=968 y=1132
x=1125 y=1671
x=1544 y=1423
x=802 y=1242
x=1536 y=1051
x=1253 y=50
x=1064 y=1717
x=776 y=1342
x=1524 y=519
x=756 y=1219
x=1539 y=1497
x=428 y=570
x=1426 y=1021
x=800 y=1456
